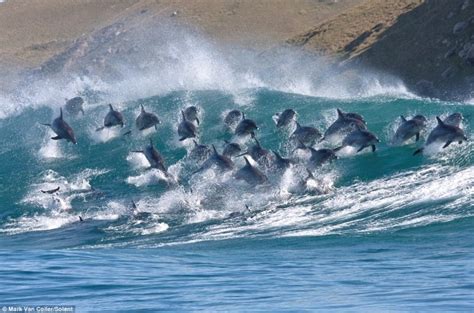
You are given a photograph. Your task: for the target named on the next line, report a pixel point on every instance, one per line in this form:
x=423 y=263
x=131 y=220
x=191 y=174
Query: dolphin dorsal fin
x=277 y=155
x=403 y=118
x=111 y=107
x=134 y=205
x=247 y=161
x=61 y=113
x=182 y=114
x=214 y=148
x=195 y=142
x=340 y=114
x=310 y=175
x=298 y=125
x=143 y=109
x=243 y=115
x=440 y=122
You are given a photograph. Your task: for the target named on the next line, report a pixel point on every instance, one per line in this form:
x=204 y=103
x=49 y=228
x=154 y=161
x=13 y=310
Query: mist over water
x=165 y=69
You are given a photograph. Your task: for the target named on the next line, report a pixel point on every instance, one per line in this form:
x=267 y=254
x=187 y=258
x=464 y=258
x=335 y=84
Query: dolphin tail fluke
x=418 y=151
x=56 y=137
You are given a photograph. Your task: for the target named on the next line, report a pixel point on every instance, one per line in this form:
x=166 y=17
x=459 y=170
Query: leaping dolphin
x=146 y=120
x=62 y=129
x=113 y=118
x=444 y=133
x=409 y=128
x=191 y=113
x=74 y=106
x=231 y=149
x=252 y=175
x=258 y=153
x=154 y=157
x=246 y=127
x=285 y=118
x=345 y=123
x=186 y=129
x=222 y=162
x=306 y=134
x=359 y=139
x=200 y=151
x=233 y=117
x=280 y=162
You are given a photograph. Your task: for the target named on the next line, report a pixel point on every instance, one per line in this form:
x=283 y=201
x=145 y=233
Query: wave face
x=365 y=193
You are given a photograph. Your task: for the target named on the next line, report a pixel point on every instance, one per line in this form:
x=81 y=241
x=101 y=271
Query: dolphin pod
x=348 y=130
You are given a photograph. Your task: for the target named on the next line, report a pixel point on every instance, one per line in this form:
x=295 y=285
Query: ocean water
x=375 y=232
x=391 y=232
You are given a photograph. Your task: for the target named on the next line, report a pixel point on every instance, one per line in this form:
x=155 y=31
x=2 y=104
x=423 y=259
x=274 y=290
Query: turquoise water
x=392 y=232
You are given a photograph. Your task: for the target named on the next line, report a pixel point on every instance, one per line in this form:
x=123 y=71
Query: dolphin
x=200 y=152
x=113 y=118
x=191 y=113
x=233 y=117
x=231 y=149
x=409 y=128
x=52 y=191
x=74 y=106
x=302 y=185
x=454 y=119
x=285 y=118
x=62 y=129
x=444 y=133
x=146 y=120
x=154 y=157
x=258 y=153
x=306 y=134
x=345 y=123
x=252 y=175
x=280 y=162
x=359 y=139
x=246 y=127
x=352 y=115
x=222 y=162
x=186 y=129
x=321 y=156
